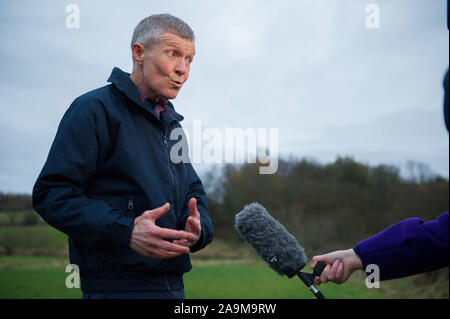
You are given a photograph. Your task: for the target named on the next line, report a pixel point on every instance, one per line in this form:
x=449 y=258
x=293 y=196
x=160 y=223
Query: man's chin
x=172 y=94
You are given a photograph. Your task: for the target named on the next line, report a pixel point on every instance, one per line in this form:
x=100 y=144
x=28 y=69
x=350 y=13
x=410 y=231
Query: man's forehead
x=172 y=39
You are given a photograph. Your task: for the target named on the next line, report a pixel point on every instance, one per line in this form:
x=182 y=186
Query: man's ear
x=138 y=53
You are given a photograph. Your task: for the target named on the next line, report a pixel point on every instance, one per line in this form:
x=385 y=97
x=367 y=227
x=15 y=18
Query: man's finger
x=158 y=253
x=158 y=212
x=193 y=208
x=167 y=254
x=171 y=247
x=182 y=242
x=174 y=234
x=194 y=225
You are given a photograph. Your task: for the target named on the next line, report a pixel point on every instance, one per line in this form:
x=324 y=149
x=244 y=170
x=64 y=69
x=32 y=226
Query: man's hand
x=148 y=239
x=193 y=225
x=340 y=265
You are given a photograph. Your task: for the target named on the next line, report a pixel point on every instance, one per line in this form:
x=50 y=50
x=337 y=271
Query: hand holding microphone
x=340 y=265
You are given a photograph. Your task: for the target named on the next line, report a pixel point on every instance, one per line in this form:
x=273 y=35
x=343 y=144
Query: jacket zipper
x=130 y=208
x=130 y=204
x=167 y=283
x=166 y=144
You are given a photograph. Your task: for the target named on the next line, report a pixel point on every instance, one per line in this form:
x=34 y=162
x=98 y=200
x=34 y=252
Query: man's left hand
x=193 y=225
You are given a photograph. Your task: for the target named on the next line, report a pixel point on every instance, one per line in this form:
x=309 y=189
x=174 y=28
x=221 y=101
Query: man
x=131 y=214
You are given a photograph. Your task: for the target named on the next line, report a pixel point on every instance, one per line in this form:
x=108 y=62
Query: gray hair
x=149 y=30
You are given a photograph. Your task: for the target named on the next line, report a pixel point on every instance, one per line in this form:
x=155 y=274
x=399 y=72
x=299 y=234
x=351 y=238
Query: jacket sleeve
x=408 y=247
x=59 y=192
x=196 y=190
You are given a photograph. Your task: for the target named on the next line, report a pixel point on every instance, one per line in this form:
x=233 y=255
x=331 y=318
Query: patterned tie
x=160 y=106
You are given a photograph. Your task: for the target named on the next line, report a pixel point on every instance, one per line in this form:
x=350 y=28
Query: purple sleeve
x=408 y=247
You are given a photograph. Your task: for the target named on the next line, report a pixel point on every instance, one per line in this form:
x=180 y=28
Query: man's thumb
x=158 y=212
x=192 y=206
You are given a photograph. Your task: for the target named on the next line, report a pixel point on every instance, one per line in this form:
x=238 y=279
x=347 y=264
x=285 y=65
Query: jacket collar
x=123 y=82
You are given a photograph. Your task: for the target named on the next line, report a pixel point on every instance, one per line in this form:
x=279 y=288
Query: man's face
x=167 y=64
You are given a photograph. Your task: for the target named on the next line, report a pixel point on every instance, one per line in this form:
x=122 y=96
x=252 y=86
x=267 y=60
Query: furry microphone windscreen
x=271 y=241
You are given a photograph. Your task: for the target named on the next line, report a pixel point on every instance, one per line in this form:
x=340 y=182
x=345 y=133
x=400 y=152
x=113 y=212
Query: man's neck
x=137 y=77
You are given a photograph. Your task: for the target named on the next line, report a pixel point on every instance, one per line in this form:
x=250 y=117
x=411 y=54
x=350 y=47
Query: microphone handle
x=308 y=279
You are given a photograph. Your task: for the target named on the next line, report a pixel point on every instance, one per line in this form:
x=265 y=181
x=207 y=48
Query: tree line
x=325 y=206
x=12 y=202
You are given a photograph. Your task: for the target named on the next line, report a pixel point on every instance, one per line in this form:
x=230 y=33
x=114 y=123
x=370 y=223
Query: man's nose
x=181 y=67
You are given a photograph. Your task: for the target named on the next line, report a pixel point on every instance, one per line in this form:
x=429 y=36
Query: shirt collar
x=123 y=82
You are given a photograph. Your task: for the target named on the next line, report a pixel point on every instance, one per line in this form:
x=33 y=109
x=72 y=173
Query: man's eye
x=171 y=53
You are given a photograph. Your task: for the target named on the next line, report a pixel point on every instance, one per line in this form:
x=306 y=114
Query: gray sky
x=310 y=68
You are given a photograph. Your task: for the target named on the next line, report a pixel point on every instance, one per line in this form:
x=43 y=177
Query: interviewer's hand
x=340 y=265
x=193 y=225
x=148 y=239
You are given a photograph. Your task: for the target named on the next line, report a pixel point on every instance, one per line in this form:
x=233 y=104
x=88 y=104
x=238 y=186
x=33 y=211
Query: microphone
x=275 y=245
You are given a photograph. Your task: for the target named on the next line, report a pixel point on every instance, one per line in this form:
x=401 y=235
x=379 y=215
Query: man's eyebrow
x=175 y=46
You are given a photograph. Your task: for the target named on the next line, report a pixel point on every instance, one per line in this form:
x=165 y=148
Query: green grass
x=29 y=262
x=38 y=239
x=18 y=217
x=45 y=277
x=258 y=281
x=35 y=277
x=218 y=272
x=35 y=283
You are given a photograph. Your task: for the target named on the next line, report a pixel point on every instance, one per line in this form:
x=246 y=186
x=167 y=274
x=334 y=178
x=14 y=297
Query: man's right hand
x=148 y=239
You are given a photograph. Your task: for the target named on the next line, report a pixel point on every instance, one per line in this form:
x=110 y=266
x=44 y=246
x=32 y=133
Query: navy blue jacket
x=108 y=164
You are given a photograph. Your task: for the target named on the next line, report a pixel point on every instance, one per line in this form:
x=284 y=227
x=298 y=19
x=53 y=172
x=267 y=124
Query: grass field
x=36 y=240
x=38 y=256
x=258 y=281
x=45 y=277
x=20 y=217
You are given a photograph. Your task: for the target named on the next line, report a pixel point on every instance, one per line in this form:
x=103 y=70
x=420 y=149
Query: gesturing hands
x=148 y=239
x=193 y=225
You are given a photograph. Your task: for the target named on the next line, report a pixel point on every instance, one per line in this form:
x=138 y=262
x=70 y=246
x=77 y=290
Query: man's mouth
x=177 y=84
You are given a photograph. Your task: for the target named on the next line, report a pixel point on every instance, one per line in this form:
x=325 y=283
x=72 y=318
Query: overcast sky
x=312 y=69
